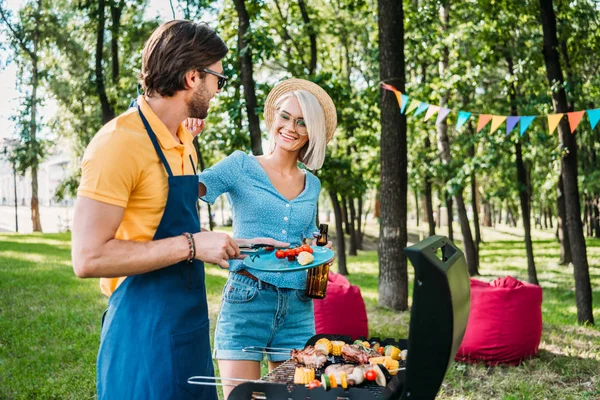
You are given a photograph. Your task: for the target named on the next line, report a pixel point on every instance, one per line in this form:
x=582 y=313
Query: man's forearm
x=117 y=258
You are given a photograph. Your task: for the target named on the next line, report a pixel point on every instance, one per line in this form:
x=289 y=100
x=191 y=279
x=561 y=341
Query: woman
x=271 y=197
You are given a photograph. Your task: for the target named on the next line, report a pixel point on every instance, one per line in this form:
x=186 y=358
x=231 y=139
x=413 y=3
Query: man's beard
x=199 y=104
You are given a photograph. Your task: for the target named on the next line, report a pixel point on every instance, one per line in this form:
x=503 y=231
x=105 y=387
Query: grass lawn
x=50 y=323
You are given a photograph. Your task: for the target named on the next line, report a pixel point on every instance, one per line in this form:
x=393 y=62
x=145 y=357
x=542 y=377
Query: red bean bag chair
x=505 y=322
x=342 y=311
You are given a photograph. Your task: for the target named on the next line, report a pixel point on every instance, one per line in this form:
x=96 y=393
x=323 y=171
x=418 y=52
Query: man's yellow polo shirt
x=121 y=167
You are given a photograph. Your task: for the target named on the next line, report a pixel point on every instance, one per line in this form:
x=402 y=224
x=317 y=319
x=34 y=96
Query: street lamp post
x=14 y=168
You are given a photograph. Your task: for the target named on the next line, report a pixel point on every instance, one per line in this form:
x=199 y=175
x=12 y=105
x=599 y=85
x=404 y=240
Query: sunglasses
x=222 y=79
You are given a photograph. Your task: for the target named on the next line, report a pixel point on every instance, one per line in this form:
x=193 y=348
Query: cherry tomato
x=298 y=250
x=381 y=350
x=371 y=375
x=280 y=254
x=290 y=252
x=314 y=384
x=306 y=247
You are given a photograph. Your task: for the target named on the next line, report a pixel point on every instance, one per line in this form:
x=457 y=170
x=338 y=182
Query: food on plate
x=305 y=258
x=306 y=247
x=280 y=254
x=309 y=357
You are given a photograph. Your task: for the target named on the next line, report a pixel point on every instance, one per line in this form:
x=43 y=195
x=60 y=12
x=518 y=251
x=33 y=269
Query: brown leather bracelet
x=191 y=245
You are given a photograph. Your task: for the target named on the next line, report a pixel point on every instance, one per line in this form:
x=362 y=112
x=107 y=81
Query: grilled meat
x=310 y=357
x=355 y=354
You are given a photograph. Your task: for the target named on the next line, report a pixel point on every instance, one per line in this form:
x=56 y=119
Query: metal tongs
x=216 y=381
x=267 y=350
x=252 y=248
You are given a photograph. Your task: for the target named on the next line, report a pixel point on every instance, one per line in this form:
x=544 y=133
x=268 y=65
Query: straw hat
x=290 y=85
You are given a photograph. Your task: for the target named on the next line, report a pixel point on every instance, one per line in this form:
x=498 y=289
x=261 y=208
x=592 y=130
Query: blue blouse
x=259 y=210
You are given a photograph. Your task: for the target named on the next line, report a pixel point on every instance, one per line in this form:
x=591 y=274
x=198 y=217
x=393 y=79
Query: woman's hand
x=194 y=125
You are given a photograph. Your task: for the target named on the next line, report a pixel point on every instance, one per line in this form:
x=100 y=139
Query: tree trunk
x=359 y=230
x=108 y=113
x=550 y=217
x=429 y=208
x=417 y=206
x=35 y=208
x=312 y=37
x=597 y=216
x=345 y=215
x=339 y=234
x=449 y=216
x=428 y=195
x=471 y=251
x=115 y=10
x=563 y=233
x=583 y=290
x=246 y=75
x=474 y=192
x=351 y=224
x=393 y=274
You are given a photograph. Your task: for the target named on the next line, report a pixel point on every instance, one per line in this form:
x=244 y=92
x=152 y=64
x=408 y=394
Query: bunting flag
x=413 y=106
x=422 y=107
x=594 y=116
x=463 y=117
x=497 y=120
x=408 y=105
x=553 y=120
x=483 y=121
x=442 y=115
x=404 y=103
x=431 y=112
x=511 y=122
x=575 y=119
x=525 y=122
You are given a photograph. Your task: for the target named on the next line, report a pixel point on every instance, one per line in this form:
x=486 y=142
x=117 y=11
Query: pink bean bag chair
x=505 y=322
x=342 y=311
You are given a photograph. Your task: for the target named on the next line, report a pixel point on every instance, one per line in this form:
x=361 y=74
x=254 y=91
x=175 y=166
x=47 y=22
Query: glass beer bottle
x=316 y=282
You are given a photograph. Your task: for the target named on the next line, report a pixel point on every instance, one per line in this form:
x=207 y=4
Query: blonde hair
x=312 y=154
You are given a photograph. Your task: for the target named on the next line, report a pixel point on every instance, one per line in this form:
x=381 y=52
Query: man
x=136 y=224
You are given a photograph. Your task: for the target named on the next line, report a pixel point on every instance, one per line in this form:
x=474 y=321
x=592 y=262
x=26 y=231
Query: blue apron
x=155 y=332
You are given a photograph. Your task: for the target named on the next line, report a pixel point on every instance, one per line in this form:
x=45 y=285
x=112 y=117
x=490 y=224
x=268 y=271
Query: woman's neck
x=282 y=161
x=169 y=110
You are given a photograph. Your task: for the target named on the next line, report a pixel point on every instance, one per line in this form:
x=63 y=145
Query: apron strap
x=193 y=166
x=155 y=142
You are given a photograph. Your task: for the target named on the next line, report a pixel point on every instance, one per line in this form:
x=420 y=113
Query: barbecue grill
x=439 y=314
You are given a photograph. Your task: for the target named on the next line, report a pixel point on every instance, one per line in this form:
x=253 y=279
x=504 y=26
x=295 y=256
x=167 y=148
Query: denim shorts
x=255 y=313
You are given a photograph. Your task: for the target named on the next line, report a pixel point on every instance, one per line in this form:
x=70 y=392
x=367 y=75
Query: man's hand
x=194 y=125
x=215 y=248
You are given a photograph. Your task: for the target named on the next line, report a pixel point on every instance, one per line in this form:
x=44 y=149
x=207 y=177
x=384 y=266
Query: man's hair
x=175 y=48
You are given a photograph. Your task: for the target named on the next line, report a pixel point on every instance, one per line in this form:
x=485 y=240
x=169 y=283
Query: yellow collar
x=167 y=141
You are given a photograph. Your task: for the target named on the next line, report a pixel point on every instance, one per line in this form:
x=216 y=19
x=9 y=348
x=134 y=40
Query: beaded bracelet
x=192 y=246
